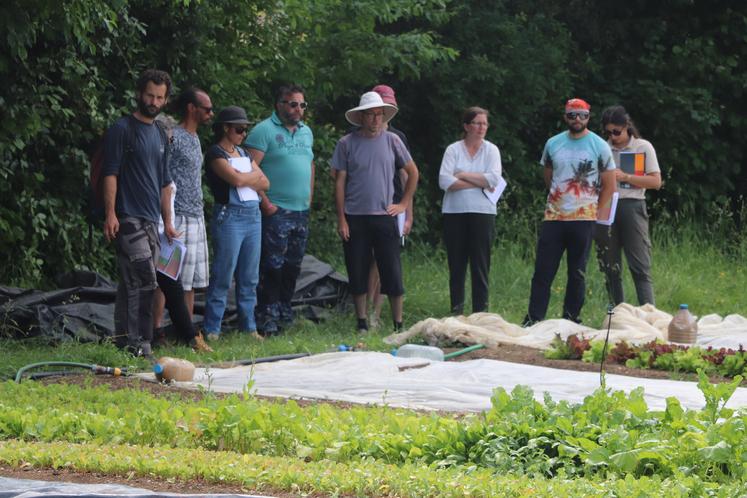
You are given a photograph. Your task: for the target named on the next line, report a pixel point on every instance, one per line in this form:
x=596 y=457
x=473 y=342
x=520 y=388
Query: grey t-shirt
x=185 y=167
x=139 y=182
x=370 y=164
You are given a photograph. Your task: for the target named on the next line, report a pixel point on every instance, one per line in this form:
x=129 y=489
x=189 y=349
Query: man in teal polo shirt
x=282 y=146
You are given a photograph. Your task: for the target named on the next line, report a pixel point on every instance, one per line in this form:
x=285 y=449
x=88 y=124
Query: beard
x=149 y=111
x=577 y=126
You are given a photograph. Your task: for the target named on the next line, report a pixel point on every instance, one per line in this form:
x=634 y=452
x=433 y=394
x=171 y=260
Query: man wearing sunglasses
x=282 y=146
x=579 y=173
x=194 y=108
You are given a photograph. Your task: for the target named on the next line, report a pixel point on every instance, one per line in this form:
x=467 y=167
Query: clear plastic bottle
x=683 y=327
x=169 y=369
x=420 y=351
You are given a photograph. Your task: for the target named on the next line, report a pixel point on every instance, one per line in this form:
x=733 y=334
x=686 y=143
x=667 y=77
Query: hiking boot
x=256 y=335
x=287 y=315
x=268 y=327
x=199 y=345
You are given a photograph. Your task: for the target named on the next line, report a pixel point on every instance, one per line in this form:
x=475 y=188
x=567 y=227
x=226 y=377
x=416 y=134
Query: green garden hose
x=454 y=354
x=96 y=369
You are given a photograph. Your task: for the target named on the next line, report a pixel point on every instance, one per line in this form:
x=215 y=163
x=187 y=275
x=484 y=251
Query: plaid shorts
x=195 y=273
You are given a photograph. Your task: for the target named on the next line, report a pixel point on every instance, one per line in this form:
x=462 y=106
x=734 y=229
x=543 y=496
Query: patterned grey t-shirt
x=185 y=166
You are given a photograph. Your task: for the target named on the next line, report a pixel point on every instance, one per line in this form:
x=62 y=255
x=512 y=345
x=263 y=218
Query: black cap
x=233 y=115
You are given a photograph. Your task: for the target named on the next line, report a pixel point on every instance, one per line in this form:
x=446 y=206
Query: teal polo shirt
x=287 y=161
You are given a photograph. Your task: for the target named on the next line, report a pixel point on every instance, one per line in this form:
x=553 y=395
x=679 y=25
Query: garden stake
x=610 y=312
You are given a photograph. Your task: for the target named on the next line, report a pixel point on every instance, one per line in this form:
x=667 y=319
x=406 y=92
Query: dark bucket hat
x=232 y=115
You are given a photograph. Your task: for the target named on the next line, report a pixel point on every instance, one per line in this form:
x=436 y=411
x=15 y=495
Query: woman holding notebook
x=236 y=225
x=637 y=171
x=470 y=172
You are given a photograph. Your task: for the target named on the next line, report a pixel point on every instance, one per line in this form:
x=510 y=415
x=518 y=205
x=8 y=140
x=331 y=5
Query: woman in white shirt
x=469 y=166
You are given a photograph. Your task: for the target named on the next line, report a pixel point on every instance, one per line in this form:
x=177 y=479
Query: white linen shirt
x=456 y=159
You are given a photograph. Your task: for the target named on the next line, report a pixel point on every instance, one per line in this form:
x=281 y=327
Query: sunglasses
x=616 y=133
x=207 y=110
x=294 y=104
x=580 y=115
x=240 y=130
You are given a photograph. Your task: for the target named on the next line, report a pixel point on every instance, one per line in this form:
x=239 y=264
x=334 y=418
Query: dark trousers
x=629 y=232
x=468 y=238
x=374 y=236
x=555 y=238
x=137 y=247
x=178 y=312
x=284 y=237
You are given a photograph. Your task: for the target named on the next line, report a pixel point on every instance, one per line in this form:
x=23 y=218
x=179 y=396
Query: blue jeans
x=237 y=242
x=284 y=236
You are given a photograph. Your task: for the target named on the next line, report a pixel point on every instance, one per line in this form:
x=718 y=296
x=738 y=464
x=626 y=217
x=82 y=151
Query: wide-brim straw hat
x=370 y=100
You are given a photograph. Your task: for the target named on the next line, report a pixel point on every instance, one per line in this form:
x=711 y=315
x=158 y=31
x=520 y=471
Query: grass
x=689 y=267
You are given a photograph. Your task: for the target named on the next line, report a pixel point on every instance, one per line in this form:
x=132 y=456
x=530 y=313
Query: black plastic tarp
x=84 y=309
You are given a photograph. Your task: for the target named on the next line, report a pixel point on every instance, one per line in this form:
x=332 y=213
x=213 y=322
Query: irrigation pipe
x=96 y=369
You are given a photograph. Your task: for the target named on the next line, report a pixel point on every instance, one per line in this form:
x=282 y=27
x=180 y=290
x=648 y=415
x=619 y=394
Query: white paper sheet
x=613 y=209
x=244 y=165
x=497 y=191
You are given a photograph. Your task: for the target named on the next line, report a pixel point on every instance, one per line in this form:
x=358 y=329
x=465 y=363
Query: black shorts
x=377 y=233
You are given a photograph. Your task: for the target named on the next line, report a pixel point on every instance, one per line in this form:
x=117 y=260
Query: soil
x=510 y=353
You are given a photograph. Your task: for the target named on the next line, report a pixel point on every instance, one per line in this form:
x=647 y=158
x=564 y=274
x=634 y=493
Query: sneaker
x=268 y=328
x=212 y=336
x=199 y=345
x=144 y=351
x=362 y=326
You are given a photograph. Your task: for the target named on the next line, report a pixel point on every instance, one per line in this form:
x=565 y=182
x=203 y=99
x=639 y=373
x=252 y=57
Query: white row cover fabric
x=27 y=488
x=633 y=324
x=382 y=379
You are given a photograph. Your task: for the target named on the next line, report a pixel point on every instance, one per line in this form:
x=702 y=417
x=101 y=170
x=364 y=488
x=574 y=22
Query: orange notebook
x=633 y=163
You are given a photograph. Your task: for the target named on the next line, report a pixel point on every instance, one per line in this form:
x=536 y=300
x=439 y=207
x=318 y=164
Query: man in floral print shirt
x=579 y=174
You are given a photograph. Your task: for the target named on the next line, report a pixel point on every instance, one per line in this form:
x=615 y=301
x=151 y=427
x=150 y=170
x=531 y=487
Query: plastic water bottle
x=420 y=351
x=683 y=327
x=169 y=369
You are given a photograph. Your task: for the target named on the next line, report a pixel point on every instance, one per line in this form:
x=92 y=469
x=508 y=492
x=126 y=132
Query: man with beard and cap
x=366 y=161
x=136 y=191
x=580 y=175
x=282 y=147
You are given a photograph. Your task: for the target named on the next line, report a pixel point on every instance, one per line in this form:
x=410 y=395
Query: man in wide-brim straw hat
x=366 y=161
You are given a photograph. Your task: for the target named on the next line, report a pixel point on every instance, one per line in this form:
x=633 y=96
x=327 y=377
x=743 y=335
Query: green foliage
x=68 y=68
x=609 y=434
x=594 y=353
x=272 y=475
